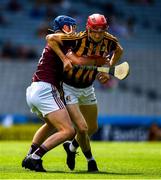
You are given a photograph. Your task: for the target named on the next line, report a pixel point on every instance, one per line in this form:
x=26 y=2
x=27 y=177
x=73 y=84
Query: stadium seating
x=141 y=50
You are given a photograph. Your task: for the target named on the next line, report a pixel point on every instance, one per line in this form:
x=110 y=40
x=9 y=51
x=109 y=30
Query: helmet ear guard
x=68 y=32
x=97 y=23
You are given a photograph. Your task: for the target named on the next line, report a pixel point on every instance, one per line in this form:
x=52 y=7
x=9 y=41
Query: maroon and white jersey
x=49 y=68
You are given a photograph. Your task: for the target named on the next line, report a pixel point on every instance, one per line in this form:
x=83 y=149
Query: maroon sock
x=33 y=148
x=41 y=151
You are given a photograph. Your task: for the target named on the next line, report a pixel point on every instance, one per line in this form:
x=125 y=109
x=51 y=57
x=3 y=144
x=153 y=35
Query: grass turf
x=116 y=160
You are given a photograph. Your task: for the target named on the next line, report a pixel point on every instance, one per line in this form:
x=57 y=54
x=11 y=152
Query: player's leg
x=82 y=135
x=80 y=125
x=41 y=134
x=88 y=108
x=61 y=121
x=72 y=96
x=90 y=114
x=45 y=99
x=81 y=139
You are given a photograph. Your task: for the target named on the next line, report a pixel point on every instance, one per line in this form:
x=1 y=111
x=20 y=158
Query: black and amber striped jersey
x=82 y=45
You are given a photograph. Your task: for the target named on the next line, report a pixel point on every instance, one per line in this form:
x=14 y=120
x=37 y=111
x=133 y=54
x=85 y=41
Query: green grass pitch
x=116 y=160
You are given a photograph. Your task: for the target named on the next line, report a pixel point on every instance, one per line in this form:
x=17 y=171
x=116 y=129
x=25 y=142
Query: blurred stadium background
x=129 y=109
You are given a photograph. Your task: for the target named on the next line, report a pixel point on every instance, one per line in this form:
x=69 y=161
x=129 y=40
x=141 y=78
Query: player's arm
x=90 y=61
x=116 y=55
x=86 y=60
x=103 y=77
x=54 y=41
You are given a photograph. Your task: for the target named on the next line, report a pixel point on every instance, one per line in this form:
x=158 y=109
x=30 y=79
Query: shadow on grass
x=100 y=172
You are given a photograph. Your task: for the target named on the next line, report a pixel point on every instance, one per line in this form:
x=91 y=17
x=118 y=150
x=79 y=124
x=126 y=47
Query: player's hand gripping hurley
x=120 y=71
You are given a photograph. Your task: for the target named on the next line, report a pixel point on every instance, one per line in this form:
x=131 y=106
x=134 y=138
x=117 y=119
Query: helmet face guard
x=72 y=29
x=96 y=23
x=62 y=20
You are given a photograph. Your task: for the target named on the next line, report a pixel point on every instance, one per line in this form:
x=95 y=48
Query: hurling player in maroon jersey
x=43 y=98
x=78 y=88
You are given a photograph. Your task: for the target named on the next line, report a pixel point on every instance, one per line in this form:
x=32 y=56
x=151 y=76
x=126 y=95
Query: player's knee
x=83 y=129
x=92 y=130
x=70 y=133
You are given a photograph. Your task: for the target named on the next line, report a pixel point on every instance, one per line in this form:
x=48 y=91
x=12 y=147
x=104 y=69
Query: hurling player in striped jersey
x=96 y=43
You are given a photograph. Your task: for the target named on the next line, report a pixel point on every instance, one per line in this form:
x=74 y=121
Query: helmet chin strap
x=68 y=32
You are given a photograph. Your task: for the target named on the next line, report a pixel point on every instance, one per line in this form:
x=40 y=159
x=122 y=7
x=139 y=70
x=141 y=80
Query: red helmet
x=96 y=22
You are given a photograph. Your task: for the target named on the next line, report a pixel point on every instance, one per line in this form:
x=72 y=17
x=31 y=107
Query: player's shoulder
x=82 y=34
x=64 y=36
x=110 y=36
x=79 y=35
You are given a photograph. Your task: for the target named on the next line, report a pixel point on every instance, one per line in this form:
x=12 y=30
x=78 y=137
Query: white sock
x=72 y=148
x=35 y=156
x=90 y=159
